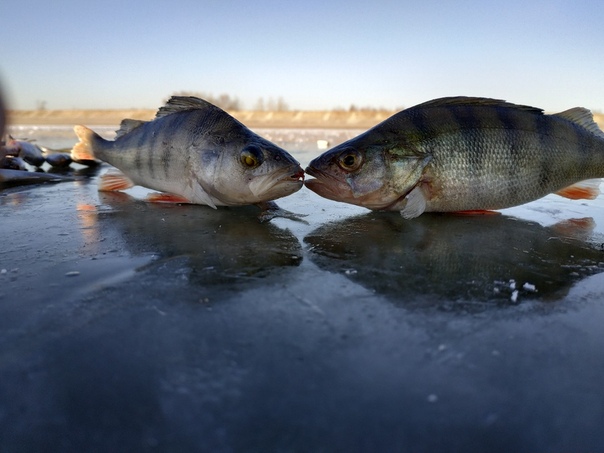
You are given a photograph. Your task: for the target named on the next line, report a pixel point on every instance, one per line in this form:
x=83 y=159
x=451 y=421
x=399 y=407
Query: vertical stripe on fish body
x=491 y=157
x=197 y=153
x=458 y=154
x=156 y=152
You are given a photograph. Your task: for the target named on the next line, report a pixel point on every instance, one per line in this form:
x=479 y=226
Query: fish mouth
x=277 y=185
x=333 y=188
x=326 y=185
x=297 y=176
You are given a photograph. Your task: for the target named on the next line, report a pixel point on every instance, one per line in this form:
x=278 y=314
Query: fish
x=465 y=154
x=58 y=160
x=6 y=150
x=9 y=177
x=193 y=152
x=29 y=152
x=12 y=163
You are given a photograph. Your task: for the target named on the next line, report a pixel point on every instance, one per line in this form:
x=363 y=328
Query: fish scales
x=498 y=160
x=146 y=146
x=458 y=154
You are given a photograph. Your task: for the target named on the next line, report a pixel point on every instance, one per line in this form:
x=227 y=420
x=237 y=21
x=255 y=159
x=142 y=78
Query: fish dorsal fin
x=184 y=103
x=581 y=117
x=128 y=125
x=459 y=101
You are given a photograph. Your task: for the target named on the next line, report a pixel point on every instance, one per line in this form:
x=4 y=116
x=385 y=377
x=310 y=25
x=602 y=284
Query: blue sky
x=313 y=54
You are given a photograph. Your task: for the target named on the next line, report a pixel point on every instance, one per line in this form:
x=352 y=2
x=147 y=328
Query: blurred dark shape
x=2 y=116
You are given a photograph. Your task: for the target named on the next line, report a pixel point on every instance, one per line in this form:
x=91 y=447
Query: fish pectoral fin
x=162 y=197
x=110 y=182
x=583 y=190
x=414 y=203
x=200 y=196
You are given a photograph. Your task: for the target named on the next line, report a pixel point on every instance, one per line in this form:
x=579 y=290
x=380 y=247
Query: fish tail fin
x=89 y=140
x=583 y=190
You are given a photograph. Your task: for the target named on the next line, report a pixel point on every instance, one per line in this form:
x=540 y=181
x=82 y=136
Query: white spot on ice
x=529 y=287
x=514 y=297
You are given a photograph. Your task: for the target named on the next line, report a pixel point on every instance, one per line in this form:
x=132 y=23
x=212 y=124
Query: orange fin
x=114 y=181
x=158 y=197
x=575 y=227
x=476 y=212
x=583 y=190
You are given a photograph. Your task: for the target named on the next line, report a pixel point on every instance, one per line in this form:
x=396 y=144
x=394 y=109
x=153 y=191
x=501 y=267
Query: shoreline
x=298 y=119
x=295 y=119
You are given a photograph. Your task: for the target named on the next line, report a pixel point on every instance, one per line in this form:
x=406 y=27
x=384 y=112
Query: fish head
x=254 y=171
x=373 y=175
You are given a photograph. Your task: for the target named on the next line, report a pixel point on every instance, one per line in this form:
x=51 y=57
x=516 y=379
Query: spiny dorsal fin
x=184 y=103
x=476 y=102
x=128 y=125
x=582 y=117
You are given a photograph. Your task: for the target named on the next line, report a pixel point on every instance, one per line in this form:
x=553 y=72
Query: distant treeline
x=227 y=102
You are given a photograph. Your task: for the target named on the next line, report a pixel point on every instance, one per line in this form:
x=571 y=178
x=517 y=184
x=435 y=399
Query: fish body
x=13 y=163
x=58 y=160
x=30 y=153
x=8 y=150
x=10 y=177
x=194 y=152
x=464 y=154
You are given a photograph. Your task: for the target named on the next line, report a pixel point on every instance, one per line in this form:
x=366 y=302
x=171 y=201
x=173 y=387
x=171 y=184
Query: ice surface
x=184 y=328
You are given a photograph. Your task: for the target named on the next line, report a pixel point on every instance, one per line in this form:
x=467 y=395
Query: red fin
x=476 y=212
x=166 y=198
x=583 y=190
x=575 y=227
x=114 y=181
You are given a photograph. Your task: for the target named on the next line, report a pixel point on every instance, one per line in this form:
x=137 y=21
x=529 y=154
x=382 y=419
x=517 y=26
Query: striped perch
x=464 y=154
x=193 y=152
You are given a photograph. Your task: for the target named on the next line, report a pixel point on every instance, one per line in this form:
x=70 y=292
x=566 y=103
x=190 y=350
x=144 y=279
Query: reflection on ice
x=207 y=246
x=456 y=258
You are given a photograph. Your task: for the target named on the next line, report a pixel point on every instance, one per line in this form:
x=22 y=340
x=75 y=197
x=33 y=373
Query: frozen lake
x=139 y=327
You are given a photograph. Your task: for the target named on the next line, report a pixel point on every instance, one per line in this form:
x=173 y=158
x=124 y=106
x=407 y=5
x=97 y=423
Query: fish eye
x=350 y=160
x=251 y=156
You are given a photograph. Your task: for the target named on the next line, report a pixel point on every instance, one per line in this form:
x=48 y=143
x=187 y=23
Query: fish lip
x=320 y=184
x=298 y=175
x=318 y=174
x=289 y=179
x=320 y=177
x=293 y=174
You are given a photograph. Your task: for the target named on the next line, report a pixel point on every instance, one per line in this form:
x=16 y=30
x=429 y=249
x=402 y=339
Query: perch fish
x=464 y=154
x=193 y=152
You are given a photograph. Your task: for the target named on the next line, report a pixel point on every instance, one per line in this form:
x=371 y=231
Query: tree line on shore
x=232 y=103
x=228 y=102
